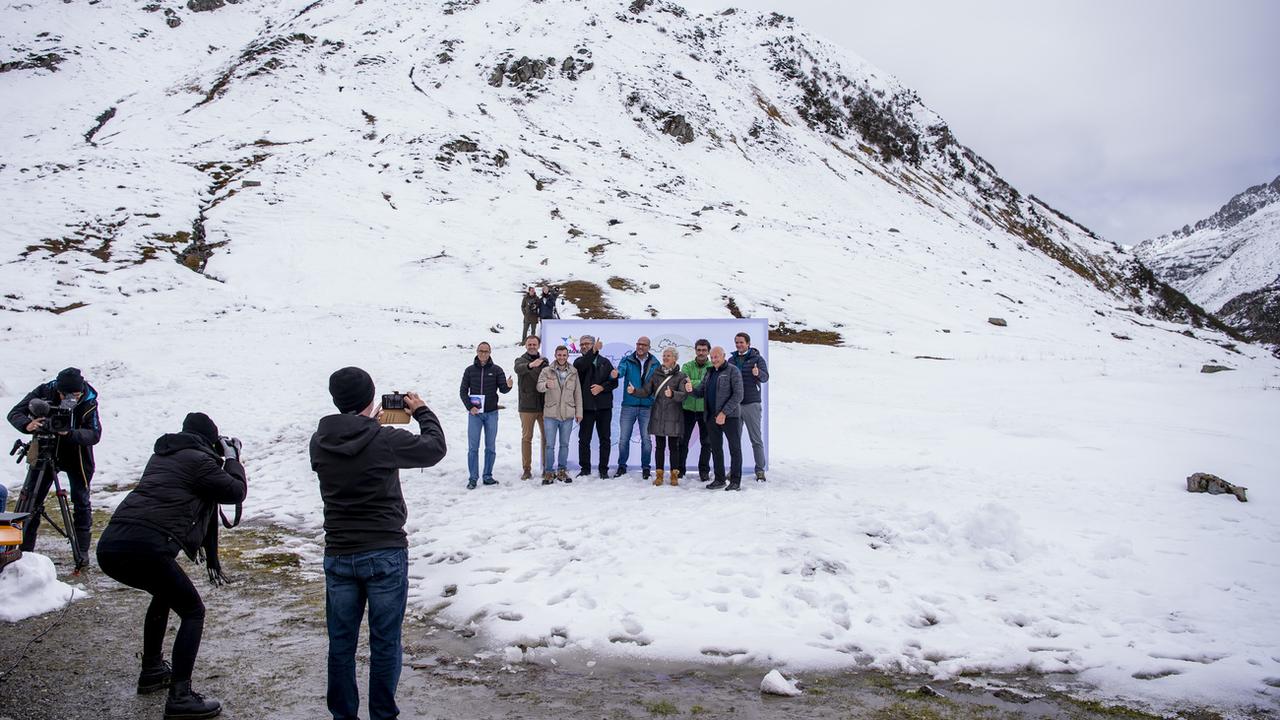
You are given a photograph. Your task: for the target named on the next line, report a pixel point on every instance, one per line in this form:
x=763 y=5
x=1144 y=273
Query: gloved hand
x=230 y=447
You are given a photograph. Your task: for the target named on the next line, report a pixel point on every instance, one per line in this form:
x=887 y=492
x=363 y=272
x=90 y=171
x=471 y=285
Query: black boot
x=604 y=474
x=734 y=484
x=645 y=473
x=703 y=476
x=186 y=704
x=620 y=472
x=584 y=472
x=759 y=476
x=715 y=485
x=154 y=676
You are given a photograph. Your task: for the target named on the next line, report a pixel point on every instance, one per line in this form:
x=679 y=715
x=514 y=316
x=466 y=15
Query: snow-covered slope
x=1229 y=263
x=373 y=182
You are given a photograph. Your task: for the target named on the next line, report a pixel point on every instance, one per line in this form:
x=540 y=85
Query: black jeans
x=81 y=510
x=732 y=431
x=170 y=589
x=599 y=421
x=669 y=444
x=692 y=419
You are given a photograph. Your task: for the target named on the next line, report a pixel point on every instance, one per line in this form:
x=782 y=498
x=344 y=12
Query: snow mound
x=30 y=587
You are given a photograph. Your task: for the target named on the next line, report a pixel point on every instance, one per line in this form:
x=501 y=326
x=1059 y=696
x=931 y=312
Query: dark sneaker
x=186 y=704
x=604 y=474
x=716 y=485
x=471 y=484
x=759 y=476
x=548 y=478
x=735 y=484
x=703 y=475
x=154 y=676
x=584 y=472
x=645 y=473
x=490 y=481
x=620 y=472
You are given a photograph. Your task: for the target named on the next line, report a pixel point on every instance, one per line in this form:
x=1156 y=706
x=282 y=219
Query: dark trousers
x=379 y=579
x=597 y=421
x=81 y=510
x=731 y=430
x=692 y=419
x=671 y=445
x=170 y=589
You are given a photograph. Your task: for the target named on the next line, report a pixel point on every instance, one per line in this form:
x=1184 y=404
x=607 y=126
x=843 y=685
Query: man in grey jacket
x=722 y=388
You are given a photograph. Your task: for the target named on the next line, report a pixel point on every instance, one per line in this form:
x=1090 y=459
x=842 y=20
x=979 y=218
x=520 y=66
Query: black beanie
x=352 y=389
x=70 y=381
x=200 y=424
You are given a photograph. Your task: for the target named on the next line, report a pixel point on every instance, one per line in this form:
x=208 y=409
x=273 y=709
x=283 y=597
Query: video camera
x=393 y=410
x=57 y=418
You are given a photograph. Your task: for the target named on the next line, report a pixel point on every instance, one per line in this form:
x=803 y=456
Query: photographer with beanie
x=174 y=509
x=366 y=558
x=73 y=451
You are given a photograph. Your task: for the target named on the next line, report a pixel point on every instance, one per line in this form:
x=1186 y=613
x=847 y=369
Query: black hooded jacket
x=595 y=369
x=183 y=483
x=74 y=450
x=358 y=463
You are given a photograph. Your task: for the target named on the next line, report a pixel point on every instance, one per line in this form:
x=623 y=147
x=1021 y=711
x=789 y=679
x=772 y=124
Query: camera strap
x=228 y=524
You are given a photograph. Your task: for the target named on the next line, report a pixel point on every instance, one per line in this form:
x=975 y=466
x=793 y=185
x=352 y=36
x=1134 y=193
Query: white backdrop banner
x=618 y=337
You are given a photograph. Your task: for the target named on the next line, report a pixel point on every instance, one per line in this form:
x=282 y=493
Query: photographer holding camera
x=175 y=508
x=366 y=557
x=73 y=426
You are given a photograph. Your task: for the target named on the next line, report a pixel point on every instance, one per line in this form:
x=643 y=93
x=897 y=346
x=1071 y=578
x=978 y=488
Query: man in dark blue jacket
x=73 y=451
x=722 y=387
x=754 y=371
x=482 y=380
x=358 y=463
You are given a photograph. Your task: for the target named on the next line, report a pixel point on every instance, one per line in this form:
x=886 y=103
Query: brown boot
x=658 y=479
x=675 y=478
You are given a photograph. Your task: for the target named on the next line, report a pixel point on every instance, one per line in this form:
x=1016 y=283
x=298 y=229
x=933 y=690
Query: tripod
x=43 y=475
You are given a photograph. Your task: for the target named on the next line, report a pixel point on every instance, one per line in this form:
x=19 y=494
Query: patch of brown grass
x=782 y=332
x=589 y=299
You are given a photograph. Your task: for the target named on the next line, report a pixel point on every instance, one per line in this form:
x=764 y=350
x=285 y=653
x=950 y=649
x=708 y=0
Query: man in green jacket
x=528 y=366
x=694 y=407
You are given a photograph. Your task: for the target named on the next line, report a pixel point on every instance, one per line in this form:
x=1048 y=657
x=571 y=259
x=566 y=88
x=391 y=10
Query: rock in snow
x=775 y=684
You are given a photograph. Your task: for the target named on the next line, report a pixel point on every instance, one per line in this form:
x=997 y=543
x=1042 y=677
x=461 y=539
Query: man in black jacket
x=528 y=366
x=598 y=379
x=482 y=380
x=358 y=464
x=722 y=388
x=73 y=452
x=174 y=508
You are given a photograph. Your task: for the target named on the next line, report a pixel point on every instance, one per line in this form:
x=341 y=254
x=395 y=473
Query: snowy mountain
x=214 y=205
x=1229 y=262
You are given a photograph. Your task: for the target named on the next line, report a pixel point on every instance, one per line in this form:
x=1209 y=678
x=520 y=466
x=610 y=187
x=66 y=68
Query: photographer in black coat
x=73 y=453
x=175 y=509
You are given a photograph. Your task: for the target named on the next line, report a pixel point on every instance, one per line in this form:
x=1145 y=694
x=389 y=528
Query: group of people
x=175 y=507
x=534 y=308
x=714 y=394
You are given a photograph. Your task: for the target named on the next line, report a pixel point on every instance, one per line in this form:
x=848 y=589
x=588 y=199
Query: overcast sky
x=1132 y=116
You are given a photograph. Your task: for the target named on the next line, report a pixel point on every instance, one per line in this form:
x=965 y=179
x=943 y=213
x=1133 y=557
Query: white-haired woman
x=666 y=419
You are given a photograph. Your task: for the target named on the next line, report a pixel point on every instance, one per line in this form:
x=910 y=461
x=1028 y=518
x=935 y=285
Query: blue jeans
x=380 y=578
x=487 y=421
x=557 y=430
x=626 y=421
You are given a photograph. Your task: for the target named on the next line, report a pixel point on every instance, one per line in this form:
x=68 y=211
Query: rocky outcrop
x=1256 y=314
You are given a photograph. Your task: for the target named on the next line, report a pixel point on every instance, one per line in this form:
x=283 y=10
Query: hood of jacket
x=171 y=443
x=346 y=434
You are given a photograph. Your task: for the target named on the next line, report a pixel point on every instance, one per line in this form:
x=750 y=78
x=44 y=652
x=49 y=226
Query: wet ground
x=264 y=647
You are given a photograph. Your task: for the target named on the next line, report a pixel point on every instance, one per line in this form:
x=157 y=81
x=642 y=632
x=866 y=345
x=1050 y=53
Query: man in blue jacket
x=754 y=371
x=634 y=370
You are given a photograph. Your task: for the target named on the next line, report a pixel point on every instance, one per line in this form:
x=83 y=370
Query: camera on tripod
x=57 y=418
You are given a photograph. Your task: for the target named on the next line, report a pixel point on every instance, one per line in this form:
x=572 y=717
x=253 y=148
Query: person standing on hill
x=722 y=389
x=482 y=380
x=694 y=409
x=530 y=309
x=755 y=371
x=547 y=304
x=635 y=369
x=598 y=379
x=666 y=420
x=529 y=366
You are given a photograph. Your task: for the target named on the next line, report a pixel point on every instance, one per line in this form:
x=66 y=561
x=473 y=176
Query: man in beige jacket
x=563 y=404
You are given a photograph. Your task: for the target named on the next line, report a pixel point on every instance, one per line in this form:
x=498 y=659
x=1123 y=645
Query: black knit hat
x=200 y=424
x=352 y=389
x=70 y=381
